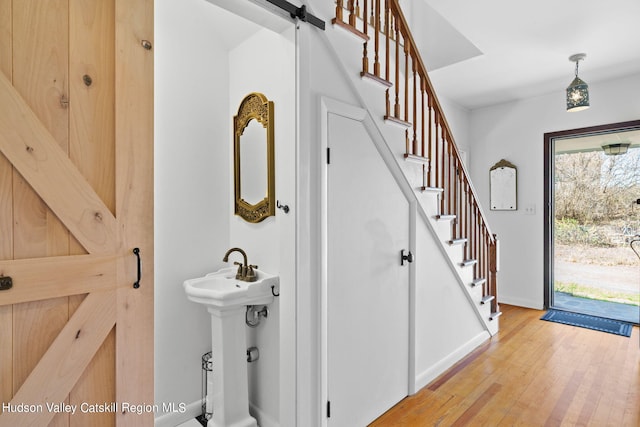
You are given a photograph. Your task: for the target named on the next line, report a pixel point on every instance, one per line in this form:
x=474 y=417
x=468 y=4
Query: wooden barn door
x=76 y=197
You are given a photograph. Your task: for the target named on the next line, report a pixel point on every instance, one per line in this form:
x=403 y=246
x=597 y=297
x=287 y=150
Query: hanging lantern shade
x=577 y=95
x=578 y=90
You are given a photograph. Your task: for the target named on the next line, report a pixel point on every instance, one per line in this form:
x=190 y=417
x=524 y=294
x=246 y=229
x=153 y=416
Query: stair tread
x=468 y=262
x=376 y=79
x=445 y=217
x=397 y=121
x=350 y=29
x=415 y=158
x=432 y=189
x=457 y=241
x=495 y=315
x=478 y=282
x=487 y=298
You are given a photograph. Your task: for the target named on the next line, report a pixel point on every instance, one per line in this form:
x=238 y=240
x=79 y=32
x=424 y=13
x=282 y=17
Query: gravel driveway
x=622 y=278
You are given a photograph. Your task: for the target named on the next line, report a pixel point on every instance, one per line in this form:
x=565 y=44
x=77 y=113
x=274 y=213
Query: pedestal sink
x=226 y=299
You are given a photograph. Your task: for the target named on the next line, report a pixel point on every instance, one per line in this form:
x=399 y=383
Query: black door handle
x=136 y=252
x=408 y=257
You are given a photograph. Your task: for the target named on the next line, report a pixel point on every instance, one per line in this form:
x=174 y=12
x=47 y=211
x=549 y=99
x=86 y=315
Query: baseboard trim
x=427 y=376
x=520 y=302
x=192 y=410
x=172 y=419
x=264 y=420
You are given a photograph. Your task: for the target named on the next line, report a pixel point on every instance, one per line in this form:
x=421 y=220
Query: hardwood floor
x=533 y=373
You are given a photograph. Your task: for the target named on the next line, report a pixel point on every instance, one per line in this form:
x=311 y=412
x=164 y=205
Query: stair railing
x=393 y=60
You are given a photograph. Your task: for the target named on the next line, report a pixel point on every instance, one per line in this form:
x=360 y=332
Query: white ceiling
x=485 y=52
x=231 y=28
x=524 y=46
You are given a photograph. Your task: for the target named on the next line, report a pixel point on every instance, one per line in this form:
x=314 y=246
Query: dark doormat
x=589 y=322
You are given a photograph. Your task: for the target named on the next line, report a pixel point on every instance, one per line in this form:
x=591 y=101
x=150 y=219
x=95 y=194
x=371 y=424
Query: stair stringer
x=407 y=174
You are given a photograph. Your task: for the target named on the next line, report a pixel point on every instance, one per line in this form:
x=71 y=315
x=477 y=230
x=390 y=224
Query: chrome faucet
x=245 y=270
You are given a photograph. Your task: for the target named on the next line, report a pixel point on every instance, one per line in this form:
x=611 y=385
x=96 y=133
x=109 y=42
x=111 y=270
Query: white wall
x=191 y=187
x=447 y=328
x=514 y=131
x=193 y=191
x=265 y=63
x=438 y=295
x=322 y=74
x=458 y=118
x=199 y=85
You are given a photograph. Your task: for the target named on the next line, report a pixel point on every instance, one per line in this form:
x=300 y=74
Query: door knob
x=408 y=257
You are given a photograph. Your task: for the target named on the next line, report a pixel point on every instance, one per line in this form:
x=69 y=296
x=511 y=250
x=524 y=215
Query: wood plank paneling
x=40 y=75
x=30 y=220
x=66 y=359
x=6 y=170
x=35 y=326
x=134 y=203
x=92 y=86
x=6 y=39
x=40 y=61
x=6 y=216
x=57 y=182
x=33 y=152
x=92 y=150
x=6 y=353
x=43 y=278
x=6 y=181
x=97 y=386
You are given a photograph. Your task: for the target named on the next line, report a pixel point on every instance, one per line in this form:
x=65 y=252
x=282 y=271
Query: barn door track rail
x=298 y=12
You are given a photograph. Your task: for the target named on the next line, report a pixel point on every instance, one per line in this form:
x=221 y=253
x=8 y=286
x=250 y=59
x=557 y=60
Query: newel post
x=494 y=266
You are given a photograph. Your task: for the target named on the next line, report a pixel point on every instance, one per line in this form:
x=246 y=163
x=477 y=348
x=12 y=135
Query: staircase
x=430 y=158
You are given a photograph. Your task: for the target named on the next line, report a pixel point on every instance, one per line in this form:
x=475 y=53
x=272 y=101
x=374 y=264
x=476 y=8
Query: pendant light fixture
x=578 y=90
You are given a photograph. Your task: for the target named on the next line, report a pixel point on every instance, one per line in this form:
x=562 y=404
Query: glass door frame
x=549 y=167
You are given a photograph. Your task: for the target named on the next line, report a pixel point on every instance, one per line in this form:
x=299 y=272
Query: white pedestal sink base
x=230 y=392
x=226 y=299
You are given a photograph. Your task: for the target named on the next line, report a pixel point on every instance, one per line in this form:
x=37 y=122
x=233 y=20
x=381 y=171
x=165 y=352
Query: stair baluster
x=430 y=136
x=396 y=106
x=352 y=12
x=376 y=62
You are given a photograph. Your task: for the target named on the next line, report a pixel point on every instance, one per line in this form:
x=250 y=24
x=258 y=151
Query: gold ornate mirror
x=254 y=160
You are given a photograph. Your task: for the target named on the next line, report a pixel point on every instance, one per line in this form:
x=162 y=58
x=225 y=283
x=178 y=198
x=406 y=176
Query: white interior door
x=367 y=288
